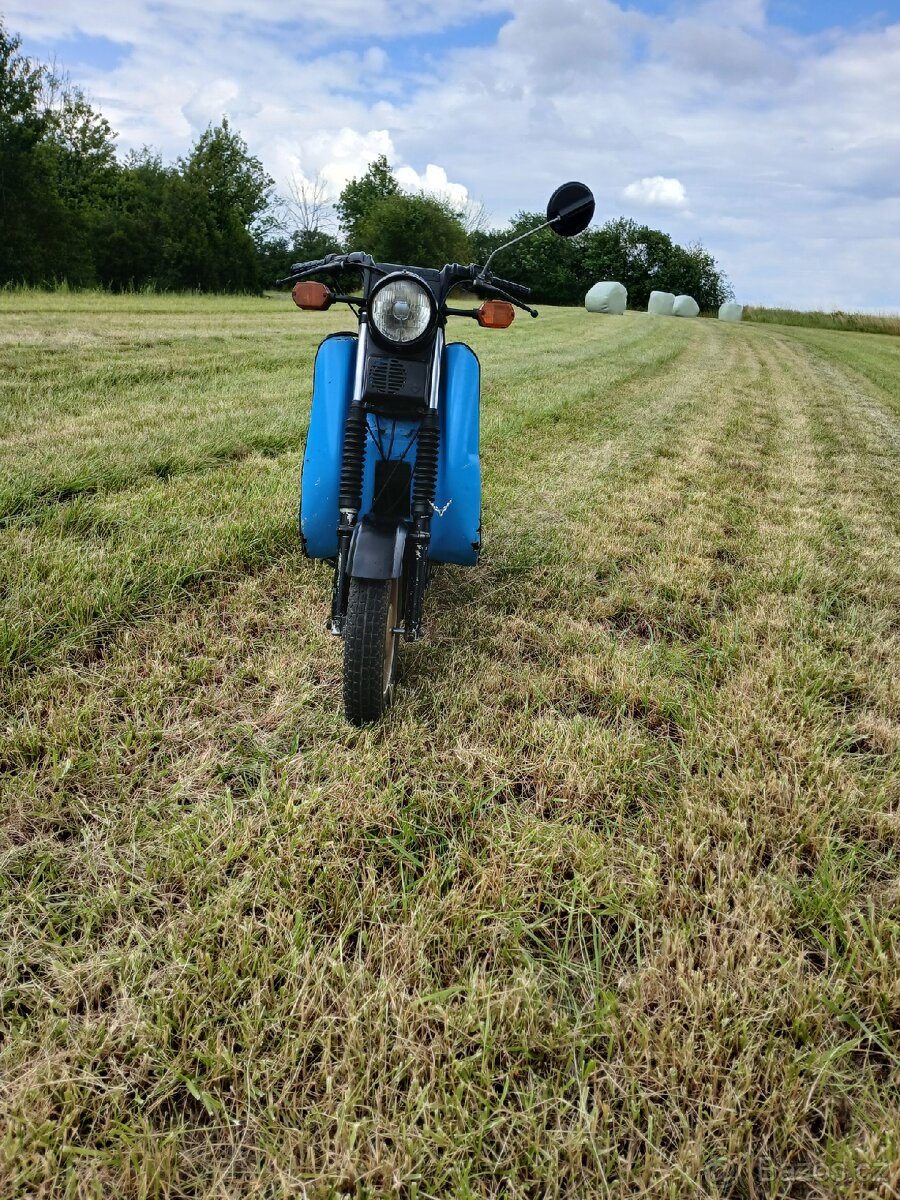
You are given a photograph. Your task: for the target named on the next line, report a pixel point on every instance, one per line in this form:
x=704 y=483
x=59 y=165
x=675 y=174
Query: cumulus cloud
x=329 y=164
x=434 y=181
x=657 y=191
x=348 y=155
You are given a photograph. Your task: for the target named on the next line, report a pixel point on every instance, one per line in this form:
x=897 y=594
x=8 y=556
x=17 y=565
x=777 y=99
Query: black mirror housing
x=570 y=209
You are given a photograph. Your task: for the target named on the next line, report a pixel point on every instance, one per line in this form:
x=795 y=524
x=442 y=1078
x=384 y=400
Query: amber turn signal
x=311 y=295
x=496 y=314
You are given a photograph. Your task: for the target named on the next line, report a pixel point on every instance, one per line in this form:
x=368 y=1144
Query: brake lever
x=482 y=283
x=323 y=268
x=297 y=275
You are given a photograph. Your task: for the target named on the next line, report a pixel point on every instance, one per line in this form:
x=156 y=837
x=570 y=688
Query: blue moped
x=391 y=475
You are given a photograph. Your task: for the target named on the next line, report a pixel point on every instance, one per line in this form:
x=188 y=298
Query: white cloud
x=347 y=155
x=210 y=101
x=434 y=181
x=657 y=191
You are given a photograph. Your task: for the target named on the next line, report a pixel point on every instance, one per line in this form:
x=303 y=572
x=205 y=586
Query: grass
x=610 y=905
x=842 y=321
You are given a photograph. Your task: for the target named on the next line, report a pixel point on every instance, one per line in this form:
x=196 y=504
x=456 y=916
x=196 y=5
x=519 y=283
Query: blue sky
x=799 y=15
x=769 y=130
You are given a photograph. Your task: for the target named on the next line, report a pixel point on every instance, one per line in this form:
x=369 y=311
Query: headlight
x=402 y=310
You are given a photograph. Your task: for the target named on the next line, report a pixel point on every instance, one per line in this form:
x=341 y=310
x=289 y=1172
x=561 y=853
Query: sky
x=768 y=130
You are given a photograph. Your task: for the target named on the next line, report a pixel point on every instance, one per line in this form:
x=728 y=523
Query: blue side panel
x=332 y=393
x=456 y=535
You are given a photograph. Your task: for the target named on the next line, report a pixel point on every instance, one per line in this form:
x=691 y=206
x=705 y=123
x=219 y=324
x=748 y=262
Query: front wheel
x=370 y=648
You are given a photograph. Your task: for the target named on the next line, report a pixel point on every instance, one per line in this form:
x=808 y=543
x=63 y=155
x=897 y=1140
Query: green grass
x=610 y=904
x=844 y=322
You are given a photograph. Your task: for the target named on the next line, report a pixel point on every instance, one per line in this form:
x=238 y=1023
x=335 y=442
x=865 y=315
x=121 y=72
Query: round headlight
x=402 y=310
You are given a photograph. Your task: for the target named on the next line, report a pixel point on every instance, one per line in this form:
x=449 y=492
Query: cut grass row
x=609 y=905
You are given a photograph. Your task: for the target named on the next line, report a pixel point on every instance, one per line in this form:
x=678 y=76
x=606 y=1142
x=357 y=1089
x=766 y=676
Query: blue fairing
x=456 y=536
x=455 y=525
x=332 y=393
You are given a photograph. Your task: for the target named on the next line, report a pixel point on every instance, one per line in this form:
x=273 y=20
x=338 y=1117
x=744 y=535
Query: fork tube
x=350 y=499
x=424 y=486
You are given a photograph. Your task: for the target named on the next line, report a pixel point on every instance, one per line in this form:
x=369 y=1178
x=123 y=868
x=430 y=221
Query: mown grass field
x=610 y=905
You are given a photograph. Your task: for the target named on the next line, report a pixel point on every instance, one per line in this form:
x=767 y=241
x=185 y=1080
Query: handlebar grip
x=312 y=265
x=514 y=289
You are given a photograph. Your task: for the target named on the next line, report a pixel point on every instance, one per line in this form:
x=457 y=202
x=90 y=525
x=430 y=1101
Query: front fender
x=376 y=549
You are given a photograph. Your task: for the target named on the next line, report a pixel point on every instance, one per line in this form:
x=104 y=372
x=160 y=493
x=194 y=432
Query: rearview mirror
x=570 y=209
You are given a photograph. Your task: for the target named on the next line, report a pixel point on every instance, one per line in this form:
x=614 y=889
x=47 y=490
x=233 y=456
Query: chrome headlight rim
x=384 y=339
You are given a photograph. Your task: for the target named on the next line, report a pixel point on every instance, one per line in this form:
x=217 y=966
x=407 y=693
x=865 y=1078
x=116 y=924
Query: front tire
x=371 y=648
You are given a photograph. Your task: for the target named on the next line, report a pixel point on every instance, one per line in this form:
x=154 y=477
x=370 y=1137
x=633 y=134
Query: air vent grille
x=387 y=376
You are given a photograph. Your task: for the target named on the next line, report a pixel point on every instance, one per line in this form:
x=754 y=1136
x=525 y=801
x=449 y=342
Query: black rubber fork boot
x=424 y=489
x=349 y=503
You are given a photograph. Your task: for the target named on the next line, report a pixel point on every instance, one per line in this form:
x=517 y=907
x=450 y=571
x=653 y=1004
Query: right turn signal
x=496 y=314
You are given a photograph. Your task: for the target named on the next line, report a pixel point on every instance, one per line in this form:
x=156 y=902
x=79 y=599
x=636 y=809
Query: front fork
x=350 y=494
x=424 y=487
x=423 y=493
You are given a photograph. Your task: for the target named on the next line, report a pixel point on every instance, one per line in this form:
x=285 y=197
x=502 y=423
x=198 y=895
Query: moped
x=391 y=481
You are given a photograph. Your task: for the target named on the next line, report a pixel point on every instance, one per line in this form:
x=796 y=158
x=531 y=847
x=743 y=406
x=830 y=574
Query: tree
x=551 y=266
x=30 y=211
x=233 y=180
x=361 y=195
x=306 y=223
x=560 y=271
x=57 y=168
x=414 y=230
x=696 y=273
x=131 y=230
x=275 y=255
x=305 y=210
x=646 y=259
x=635 y=255
x=80 y=154
x=218 y=197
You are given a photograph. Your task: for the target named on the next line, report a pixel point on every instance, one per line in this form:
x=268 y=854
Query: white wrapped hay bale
x=685 y=306
x=729 y=311
x=607 y=297
x=661 y=304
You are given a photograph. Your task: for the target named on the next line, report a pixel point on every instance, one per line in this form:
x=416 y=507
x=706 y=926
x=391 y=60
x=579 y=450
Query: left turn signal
x=309 y=294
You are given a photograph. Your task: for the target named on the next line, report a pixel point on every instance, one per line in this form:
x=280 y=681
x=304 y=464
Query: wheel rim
x=390 y=638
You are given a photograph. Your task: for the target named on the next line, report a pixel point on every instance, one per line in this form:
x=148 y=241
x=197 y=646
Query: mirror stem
x=520 y=238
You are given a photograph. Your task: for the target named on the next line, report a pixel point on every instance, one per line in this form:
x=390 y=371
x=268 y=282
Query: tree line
x=72 y=211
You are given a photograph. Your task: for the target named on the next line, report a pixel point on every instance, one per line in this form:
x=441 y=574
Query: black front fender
x=376 y=549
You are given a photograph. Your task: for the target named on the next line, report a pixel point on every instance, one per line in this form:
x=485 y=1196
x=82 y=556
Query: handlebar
x=484 y=281
x=331 y=262
x=313 y=265
x=453 y=273
x=514 y=289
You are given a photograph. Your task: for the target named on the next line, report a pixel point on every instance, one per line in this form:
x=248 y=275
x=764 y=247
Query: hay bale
x=607 y=297
x=729 y=311
x=685 y=306
x=661 y=303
